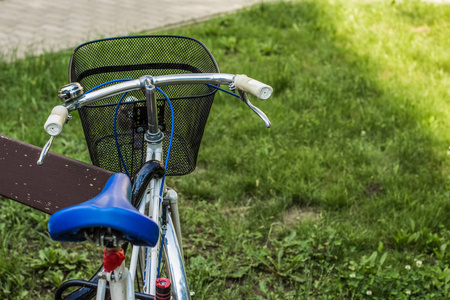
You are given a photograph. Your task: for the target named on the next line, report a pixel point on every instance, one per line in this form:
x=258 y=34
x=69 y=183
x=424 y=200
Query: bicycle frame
x=152 y=204
x=172 y=241
x=122 y=284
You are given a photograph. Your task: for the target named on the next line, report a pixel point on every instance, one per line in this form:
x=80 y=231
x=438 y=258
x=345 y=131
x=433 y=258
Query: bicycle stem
x=154 y=134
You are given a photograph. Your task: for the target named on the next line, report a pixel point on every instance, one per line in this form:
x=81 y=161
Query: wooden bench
x=60 y=182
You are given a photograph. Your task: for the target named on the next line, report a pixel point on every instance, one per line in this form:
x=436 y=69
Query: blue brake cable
x=108 y=82
x=168 y=155
x=223 y=90
x=116 y=138
x=165 y=168
x=115 y=117
x=165 y=164
x=170 y=140
x=172 y=112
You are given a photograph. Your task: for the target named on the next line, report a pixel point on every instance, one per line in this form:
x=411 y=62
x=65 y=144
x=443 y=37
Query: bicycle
x=129 y=130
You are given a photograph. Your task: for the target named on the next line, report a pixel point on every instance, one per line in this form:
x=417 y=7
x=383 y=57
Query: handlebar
x=251 y=86
x=57 y=118
x=242 y=83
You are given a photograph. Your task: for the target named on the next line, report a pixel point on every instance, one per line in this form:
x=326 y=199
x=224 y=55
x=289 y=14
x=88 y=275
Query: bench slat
x=60 y=182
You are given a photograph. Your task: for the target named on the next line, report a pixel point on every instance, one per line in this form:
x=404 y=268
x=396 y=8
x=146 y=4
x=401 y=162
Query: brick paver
x=34 y=26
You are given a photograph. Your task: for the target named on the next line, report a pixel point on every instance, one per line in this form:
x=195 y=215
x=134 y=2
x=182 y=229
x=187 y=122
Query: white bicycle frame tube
x=175 y=262
x=118 y=285
x=135 y=252
x=173 y=252
x=101 y=289
x=151 y=199
x=121 y=284
x=154 y=151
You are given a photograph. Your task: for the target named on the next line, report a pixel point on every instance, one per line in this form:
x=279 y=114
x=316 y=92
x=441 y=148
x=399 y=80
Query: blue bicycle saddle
x=109 y=209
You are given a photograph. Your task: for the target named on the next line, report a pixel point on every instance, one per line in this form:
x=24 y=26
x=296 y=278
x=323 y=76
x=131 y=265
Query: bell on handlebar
x=70 y=91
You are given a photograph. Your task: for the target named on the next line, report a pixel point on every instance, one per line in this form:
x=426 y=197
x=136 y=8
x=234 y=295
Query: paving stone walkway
x=34 y=26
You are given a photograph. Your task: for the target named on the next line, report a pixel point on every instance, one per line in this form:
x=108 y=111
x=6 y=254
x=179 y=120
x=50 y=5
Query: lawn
x=345 y=197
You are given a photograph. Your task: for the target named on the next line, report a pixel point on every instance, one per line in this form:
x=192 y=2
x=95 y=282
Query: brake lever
x=256 y=110
x=45 y=150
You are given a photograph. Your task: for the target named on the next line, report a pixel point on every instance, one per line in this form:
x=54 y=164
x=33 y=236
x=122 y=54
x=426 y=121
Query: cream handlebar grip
x=56 y=120
x=252 y=86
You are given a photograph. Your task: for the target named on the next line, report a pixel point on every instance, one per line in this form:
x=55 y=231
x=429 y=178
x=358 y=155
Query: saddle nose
x=109 y=209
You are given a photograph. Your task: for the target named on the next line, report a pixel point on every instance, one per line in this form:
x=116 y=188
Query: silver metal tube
x=136 y=249
x=130 y=285
x=93 y=96
x=177 y=226
x=45 y=150
x=172 y=195
x=128 y=86
x=101 y=289
x=212 y=78
x=149 y=91
x=175 y=264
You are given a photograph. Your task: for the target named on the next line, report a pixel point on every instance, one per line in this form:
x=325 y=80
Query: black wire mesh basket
x=105 y=60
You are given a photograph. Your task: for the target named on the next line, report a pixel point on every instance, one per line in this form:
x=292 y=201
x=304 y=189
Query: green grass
x=349 y=186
